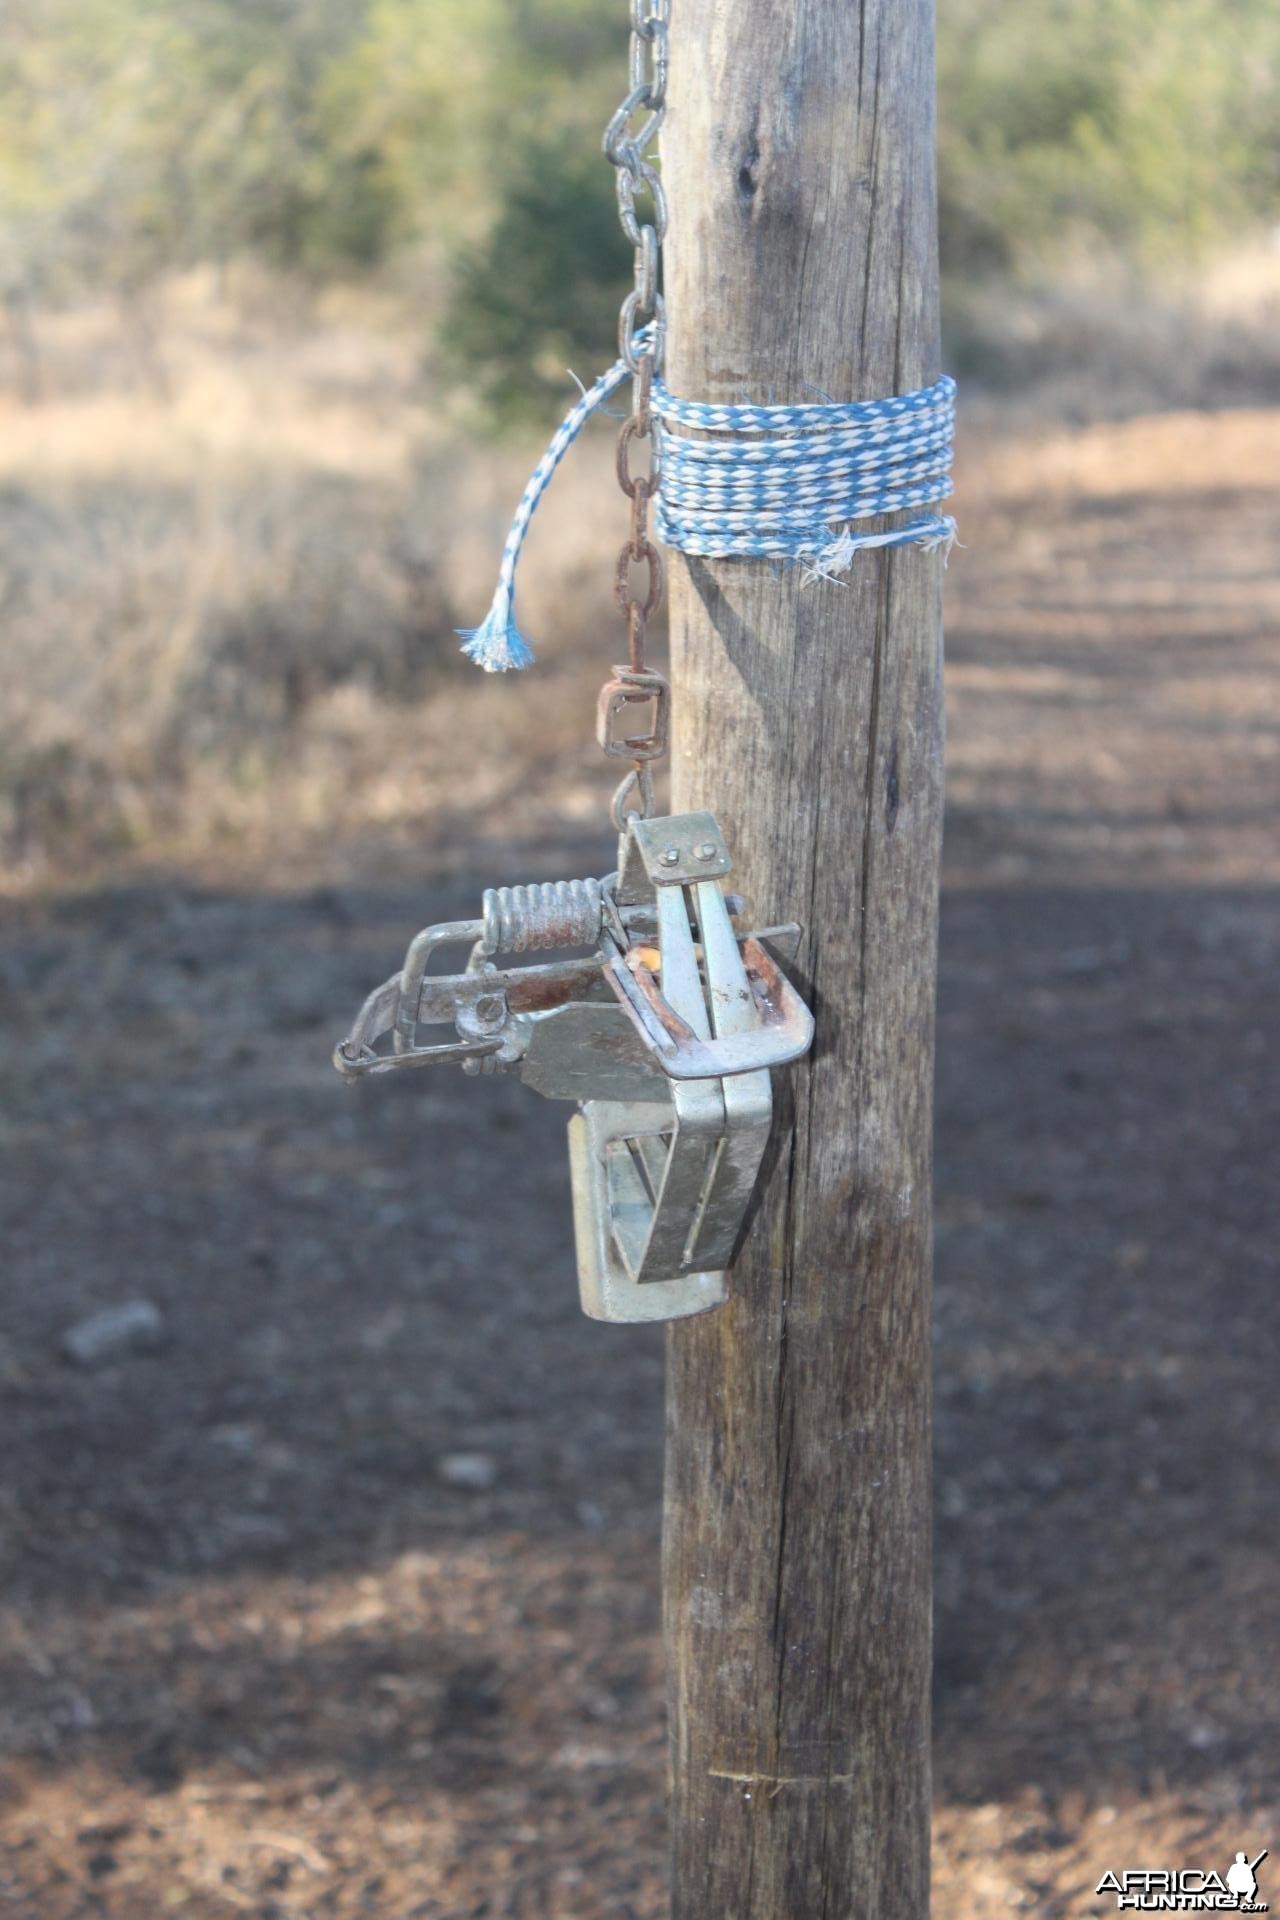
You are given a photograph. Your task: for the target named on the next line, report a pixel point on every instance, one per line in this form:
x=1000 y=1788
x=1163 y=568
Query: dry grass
x=257 y=1654
x=230 y=594
x=1105 y=343
x=235 y=544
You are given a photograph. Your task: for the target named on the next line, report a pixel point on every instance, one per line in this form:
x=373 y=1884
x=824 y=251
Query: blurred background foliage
x=452 y=145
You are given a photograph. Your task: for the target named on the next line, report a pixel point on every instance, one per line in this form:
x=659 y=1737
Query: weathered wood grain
x=799 y=160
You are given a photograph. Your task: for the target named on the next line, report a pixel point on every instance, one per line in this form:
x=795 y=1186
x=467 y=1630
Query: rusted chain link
x=628 y=142
x=635 y=685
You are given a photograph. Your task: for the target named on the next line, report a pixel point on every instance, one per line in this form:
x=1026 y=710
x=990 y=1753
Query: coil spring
x=550 y=913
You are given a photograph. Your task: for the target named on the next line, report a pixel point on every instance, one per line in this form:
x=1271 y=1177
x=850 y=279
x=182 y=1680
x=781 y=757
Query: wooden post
x=799 y=163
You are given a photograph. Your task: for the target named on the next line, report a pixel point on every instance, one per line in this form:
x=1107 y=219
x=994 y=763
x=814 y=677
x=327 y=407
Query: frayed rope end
x=831 y=561
x=497 y=644
x=834 y=560
x=943 y=538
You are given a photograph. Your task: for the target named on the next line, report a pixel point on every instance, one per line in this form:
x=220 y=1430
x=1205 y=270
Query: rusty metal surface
x=548 y=914
x=664 y=1034
x=784 y=1032
x=636 y=682
x=631 y=688
x=455 y=998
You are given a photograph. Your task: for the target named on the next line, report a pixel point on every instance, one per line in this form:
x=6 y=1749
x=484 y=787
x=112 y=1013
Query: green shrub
x=329 y=135
x=542 y=293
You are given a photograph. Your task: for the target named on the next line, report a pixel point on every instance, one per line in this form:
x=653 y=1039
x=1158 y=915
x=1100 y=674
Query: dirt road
x=266 y=1648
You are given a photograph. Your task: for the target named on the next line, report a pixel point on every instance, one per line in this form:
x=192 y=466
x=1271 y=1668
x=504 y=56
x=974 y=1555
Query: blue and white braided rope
x=497 y=644
x=770 y=483
x=791 y=489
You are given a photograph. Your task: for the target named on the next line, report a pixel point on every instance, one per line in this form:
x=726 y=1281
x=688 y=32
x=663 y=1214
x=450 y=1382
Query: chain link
x=628 y=142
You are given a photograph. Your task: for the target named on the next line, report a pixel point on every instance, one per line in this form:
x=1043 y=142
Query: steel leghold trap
x=664 y=1034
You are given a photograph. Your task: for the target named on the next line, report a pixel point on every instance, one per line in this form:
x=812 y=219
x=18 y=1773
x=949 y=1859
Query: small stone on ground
x=134 y=1326
x=474 y=1472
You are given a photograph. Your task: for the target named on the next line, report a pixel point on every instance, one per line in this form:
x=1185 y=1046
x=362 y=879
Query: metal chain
x=628 y=141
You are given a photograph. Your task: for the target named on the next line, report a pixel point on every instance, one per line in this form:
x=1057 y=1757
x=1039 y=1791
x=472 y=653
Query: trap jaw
x=665 y=1036
x=661 y=1188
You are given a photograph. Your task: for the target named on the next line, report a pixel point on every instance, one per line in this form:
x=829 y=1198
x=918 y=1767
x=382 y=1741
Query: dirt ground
x=262 y=1654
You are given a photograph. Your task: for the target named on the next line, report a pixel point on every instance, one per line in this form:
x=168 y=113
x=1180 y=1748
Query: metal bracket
x=680 y=850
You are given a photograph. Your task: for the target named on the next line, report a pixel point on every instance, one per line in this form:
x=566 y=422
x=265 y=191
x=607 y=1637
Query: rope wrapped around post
x=780 y=483
x=786 y=483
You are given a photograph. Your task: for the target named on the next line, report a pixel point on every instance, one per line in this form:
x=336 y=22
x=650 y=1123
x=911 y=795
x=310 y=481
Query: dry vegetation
x=231 y=569
x=236 y=541
x=259 y=1653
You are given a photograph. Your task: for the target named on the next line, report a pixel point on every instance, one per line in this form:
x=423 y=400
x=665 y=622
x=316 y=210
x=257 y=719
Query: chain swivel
x=631 y=688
